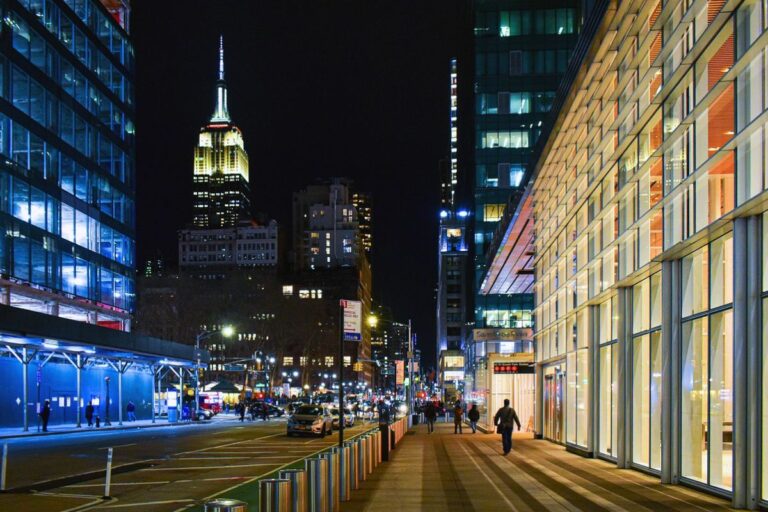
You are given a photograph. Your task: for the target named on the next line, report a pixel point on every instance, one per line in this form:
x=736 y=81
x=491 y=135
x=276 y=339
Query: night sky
x=319 y=89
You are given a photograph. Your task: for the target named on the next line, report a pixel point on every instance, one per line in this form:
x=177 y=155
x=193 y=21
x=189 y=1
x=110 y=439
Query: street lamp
x=373 y=320
x=227 y=331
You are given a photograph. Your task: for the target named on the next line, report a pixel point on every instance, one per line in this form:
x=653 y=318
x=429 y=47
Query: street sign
x=353 y=313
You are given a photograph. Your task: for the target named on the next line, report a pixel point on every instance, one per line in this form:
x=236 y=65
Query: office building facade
x=247 y=245
x=651 y=242
x=221 y=194
x=67 y=185
x=521 y=50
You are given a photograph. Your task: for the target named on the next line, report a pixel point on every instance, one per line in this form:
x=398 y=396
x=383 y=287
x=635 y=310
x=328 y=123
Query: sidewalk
x=71 y=428
x=444 y=471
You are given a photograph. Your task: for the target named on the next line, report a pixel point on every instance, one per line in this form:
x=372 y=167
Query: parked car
x=310 y=419
x=349 y=417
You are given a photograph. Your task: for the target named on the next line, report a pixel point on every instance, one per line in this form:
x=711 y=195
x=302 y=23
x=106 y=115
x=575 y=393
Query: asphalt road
x=158 y=469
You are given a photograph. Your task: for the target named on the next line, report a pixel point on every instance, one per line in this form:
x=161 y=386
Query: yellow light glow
x=227 y=331
x=373 y=321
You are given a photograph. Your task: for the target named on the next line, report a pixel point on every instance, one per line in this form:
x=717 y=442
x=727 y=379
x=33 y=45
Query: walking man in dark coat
x=505 y=420
x=45 y=413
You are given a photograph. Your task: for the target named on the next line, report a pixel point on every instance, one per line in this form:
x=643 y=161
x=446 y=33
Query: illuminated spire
x=221 y=114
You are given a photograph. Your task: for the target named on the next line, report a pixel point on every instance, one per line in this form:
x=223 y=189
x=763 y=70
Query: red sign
x=512 y=368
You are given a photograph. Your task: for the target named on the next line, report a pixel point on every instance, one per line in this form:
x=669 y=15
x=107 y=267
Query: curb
x=88 y=429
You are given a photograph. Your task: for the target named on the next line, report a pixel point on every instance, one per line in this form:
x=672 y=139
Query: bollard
x=317 y=487
x=354 y=482
x=342 y=454
x=360 y=461
x=108 y=479
x=369 y=467
x=274 y=495
x=333 y=480
x=377 y=446
x=226 y=505
x=298 y=478
x=4 y=467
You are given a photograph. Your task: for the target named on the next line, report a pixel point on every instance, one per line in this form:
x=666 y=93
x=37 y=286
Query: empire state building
x=220 y=189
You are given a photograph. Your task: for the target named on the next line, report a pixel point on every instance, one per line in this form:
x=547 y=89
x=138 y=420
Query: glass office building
x=521 y=49
x=67 y=183
x=650 y=207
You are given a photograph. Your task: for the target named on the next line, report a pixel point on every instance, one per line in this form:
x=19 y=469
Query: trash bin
x=317 y=485
x=274 y=495
x=298 y=478
x=226 y=505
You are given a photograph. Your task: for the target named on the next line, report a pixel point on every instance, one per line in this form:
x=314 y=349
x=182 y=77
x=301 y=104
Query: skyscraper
x=67 y=187
x=449 y=167
x=521 y=52
x=221 y=191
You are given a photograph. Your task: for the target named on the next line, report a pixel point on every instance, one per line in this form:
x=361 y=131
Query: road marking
x=84 y=506
x=67 y=495
x=117 y=446
x=113 y=484
x=227 y=444
x=229 y=458
x=210 y=468
x=147 y=503
x=493 y=484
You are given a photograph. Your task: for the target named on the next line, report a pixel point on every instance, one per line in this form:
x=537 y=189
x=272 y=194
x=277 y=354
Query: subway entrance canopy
x=72 y=364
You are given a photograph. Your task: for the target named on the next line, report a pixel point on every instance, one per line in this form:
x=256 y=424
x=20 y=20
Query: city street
x=164 y=469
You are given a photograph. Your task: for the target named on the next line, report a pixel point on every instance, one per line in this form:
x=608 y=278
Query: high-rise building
x=650 y=208
x=362 y=203
x=521 y=51
x=67 y=184
x=326 y=226
x=246 y=245
x=449 y=167
x=222 y=196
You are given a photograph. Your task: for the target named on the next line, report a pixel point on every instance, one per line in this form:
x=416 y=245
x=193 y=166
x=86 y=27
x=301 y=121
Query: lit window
x=303 y=361
x=303 y=294
x=347 y=360
x=328 y=360
x=288 y=361
x=493 y=212
x=505 y=32
x=287 y=290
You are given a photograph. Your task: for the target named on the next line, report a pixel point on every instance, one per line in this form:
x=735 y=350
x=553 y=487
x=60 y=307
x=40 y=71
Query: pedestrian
x=430 y=413
x=89 y=414
x=45 y=413
x=458 y=412
x=240 y=408
x=131 y=410
x=505 y=420
x=265 y=411
x=473 y=416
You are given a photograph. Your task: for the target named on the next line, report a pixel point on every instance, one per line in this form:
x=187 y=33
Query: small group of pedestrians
x=505 y=420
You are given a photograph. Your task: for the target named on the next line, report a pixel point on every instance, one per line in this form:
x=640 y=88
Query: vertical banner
x=353 y=313
x=399 y=372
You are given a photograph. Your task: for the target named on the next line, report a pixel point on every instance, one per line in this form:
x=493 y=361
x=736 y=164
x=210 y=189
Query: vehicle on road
x=274 y=411
x=349 y=417
x=310 y=419
x=205 y=414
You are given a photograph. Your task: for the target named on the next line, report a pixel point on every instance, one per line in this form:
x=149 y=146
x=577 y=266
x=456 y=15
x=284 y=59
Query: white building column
x=623 y=379
x=671 y=332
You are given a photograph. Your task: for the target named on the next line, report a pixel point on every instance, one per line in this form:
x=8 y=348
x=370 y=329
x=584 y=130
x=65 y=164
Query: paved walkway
x=444 y=471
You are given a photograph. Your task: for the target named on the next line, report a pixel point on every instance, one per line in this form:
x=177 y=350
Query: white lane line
x=113 y=484
x=230 y=458
x=493 y=484
x=147 y=503
x=211 y=468
x=116 y=446
x=228 y=444
x=84 y=506
x=67 y=495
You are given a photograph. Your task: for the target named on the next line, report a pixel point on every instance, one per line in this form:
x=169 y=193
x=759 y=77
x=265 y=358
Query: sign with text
x=353 y=315
x=512 y=368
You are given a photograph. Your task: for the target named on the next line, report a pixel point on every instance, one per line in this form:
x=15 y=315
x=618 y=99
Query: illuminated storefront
x=500 y=365
x=651 y=240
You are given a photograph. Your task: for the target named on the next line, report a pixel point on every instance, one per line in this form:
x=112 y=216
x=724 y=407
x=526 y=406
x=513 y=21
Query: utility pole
x=409 y=360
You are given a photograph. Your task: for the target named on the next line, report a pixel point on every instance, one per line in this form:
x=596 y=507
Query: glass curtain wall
x=608 y=390
x=707 y=364
x=765 y=358
x=578 y=375
x=646 y=372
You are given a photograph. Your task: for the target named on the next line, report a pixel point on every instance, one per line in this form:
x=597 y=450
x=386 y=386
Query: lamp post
x=106 y=415
x=227 y=331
